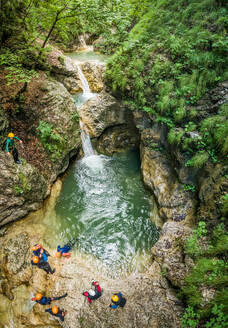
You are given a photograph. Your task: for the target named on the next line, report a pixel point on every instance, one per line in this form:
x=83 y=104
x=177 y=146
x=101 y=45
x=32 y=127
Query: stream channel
x=102 y=203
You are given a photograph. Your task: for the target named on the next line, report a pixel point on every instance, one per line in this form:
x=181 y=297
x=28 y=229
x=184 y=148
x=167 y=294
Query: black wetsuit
x=10 y=146
x=47 y=300
x=43 y=265
x=58 y=315
x=121 y=301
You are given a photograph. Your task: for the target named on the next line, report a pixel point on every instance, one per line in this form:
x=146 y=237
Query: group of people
x=9 y=146
x=40 y=259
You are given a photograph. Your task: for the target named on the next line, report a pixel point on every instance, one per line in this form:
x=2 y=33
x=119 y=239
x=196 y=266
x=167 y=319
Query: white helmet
x=92 y=292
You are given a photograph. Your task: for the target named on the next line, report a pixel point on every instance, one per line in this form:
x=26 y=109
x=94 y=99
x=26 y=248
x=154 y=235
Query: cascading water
x=81 y=98
x=104 y=205
x=86 y=142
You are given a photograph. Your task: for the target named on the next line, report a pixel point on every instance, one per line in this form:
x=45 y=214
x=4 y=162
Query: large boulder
x=48 y=125
x=102 y=111
x=159 y=176
x=22 y=189
x=169 y=252
x=94 y=73
x=64 y=70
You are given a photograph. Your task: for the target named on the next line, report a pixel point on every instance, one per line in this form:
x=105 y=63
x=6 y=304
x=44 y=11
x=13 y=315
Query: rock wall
x=151 y=302
x=47 y=122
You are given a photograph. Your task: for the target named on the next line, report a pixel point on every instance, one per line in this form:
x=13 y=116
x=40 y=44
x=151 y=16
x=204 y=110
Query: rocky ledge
x=151 y=302
x=47 y=122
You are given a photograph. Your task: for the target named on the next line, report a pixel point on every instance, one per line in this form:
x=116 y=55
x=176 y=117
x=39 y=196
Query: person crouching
x=93 y=294
x=57 y=312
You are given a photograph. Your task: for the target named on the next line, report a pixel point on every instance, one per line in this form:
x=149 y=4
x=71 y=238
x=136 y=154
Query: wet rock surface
x=150 y=300
x=159 y=175
x=94 y=73
x=101 y=112
x=117 y=139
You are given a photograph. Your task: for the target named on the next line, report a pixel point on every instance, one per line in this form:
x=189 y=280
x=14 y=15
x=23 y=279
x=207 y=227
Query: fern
x=199 y=160
x=172 y=136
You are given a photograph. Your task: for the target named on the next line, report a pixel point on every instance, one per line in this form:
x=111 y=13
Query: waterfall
x=86 y=142
x=85 y=84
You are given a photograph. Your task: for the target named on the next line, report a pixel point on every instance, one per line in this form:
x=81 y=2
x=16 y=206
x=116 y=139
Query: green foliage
x=220 y=318
x=190 y=318
x=18 y=190
x=16 y=71
x=61 y=60
x=189 y=187
x=23 y=184
x=225 y=204
x=198 y=160
x=51 y=140
x=190 y=126
x=215 y=128
x=192 y=244
x=75 y=117
x=210 y=272
x=168 y=62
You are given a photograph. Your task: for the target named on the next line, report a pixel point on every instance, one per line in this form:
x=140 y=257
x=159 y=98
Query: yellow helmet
x=58 y=254
x=115 y=298
x=34 y=248
x=10 y=135
x=38 y=296
x=55 y=309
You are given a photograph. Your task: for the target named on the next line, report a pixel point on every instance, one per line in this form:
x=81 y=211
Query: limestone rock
x=150 y=300
x=3 y=122
x=101 y=112
x=22 y=189
x=98 y=42
x=94 y=73
x=64 y=70
x=44 y=154
x=169 y=252
x=160 y=177
x=118 y=138
x=212 y=186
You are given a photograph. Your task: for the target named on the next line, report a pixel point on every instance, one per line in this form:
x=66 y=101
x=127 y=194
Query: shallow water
x=87 y=55
x=104 y=205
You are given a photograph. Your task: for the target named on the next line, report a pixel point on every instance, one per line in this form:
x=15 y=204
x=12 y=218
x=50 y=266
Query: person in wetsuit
x=57 y=312
x=10 y=147
x=64 y=251
x=93 y=294
x=39 y=298
x=117 y=300
x=38 y=250
x=42 y=263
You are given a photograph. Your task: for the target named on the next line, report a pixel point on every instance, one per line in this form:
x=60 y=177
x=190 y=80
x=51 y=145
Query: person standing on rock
x=41 y=263
x=93 y=294
x=39 y=298
x=117 y=300
x=57 y=312
x=10 y=147
x=64 y=251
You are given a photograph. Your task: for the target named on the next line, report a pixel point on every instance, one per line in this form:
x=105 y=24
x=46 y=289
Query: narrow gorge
x=124 y=151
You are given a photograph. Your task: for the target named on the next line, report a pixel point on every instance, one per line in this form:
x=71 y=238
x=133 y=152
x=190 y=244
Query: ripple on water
x=104 y=204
